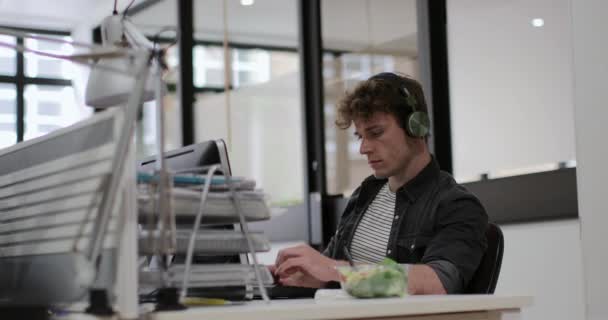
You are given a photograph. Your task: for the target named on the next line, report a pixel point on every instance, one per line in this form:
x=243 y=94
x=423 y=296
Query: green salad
x=386 y=279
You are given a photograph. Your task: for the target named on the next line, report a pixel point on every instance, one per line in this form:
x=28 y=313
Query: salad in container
x=386 y=279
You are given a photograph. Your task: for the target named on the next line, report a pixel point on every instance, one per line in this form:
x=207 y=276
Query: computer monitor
x=50 y=192
x=193 y=156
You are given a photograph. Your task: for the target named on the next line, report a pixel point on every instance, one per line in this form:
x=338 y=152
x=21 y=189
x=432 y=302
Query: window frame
x=21 y=80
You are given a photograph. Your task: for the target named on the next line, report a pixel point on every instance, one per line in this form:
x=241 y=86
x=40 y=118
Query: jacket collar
x=414 y=188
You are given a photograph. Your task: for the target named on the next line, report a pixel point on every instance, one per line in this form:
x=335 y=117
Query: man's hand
x=422 y=279
x=304 y=266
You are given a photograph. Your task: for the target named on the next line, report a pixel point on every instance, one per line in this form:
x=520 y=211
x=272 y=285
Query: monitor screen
x=192 y=157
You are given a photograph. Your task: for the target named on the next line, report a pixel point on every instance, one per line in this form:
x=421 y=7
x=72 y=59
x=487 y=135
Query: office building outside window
x=48 y=108
x=36 y=91
x=8 y=61
x=249 y=66
x=8 y=119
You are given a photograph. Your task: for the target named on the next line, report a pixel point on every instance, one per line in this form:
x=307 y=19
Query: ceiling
x=55 y=14
x=353 y=25
x=387 y=26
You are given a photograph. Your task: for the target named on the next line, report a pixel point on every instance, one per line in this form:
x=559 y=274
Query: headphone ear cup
x=418 y=124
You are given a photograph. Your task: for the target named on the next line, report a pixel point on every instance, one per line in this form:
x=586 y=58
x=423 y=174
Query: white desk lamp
x=138 y=67
x=106 y=89
x=116 y=81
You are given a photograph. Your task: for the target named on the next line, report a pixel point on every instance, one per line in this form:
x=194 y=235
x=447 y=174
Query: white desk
x=454 y=307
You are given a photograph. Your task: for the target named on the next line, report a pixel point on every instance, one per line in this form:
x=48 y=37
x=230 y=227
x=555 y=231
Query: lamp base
x=167 y=299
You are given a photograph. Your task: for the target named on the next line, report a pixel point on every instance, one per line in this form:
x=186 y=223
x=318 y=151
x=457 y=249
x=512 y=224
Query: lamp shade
x=106 y=88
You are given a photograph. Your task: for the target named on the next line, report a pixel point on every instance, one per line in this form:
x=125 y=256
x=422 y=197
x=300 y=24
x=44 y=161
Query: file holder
x=241 y=219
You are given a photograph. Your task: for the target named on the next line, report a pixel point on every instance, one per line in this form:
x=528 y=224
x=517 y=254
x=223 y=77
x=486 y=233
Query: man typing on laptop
x=408 y=210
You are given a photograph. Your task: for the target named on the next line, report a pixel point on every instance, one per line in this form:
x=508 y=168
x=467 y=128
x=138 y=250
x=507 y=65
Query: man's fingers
x=290 y=281
x=296 y=279
x=296 y=251
x=284 y=255
x=290 y=266
x=273 y=269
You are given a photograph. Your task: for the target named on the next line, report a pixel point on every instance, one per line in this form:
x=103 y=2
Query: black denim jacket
x=436 y=219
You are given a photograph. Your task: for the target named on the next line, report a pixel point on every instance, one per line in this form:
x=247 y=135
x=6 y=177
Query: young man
x=407 y=210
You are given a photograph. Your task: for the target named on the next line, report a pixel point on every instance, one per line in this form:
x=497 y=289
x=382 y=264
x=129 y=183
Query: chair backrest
x=485 y=278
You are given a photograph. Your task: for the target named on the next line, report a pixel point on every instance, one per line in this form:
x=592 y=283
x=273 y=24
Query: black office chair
x=485 y=278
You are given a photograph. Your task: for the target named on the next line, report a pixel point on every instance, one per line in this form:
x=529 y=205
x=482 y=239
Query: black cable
x=156 y=38
x=128 y=7
x=115 y=5
x=163 y=51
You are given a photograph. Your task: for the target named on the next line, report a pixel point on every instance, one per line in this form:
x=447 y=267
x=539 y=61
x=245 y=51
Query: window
x=36 y=93
x=259 y=120
x=259 y=115
x=8 y=62
x=8 y=112
x=47 y=108
x=40 y=66
x=249 y=66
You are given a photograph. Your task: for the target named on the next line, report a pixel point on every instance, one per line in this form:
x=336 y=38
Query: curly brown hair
x=380 y=94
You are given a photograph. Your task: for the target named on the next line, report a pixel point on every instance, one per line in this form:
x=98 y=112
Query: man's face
x=384 y=144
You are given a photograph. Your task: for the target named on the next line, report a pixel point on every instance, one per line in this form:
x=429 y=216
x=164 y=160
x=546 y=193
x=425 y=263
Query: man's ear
x=417 y=143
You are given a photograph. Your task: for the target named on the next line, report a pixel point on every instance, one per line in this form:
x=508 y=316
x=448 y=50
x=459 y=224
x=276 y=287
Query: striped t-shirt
x=371 y=236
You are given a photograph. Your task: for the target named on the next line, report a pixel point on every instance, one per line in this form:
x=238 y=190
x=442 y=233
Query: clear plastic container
x=374 y=280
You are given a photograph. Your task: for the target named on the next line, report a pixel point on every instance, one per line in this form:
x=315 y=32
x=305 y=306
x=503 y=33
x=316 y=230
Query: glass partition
x=258 y=109
x=260 y=115
x=383 y=39
x=159 y=21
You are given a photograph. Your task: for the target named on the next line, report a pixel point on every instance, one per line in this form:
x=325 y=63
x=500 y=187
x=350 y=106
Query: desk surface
x=351 y=309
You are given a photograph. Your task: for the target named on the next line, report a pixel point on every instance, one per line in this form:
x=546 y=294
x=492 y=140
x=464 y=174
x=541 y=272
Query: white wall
x=512 y=102
x=591 y=94
x=544 y=260
x=510 y=84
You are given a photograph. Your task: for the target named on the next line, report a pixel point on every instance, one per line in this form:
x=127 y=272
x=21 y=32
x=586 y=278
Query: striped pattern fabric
x=371 y=236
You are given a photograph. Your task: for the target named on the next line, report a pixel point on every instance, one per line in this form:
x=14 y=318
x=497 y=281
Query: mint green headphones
x=416 y=123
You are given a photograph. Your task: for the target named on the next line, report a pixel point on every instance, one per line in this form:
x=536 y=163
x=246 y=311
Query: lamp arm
x=134 y=37
x=118 y=162
x=116 y=28
x=85 y=59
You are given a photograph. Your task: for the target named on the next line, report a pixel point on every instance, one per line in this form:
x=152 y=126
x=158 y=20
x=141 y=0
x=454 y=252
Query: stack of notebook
x=218 y=208
x=221 y=261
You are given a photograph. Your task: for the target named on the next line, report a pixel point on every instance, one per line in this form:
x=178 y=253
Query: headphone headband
x=417 y=123
x=398 y=82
